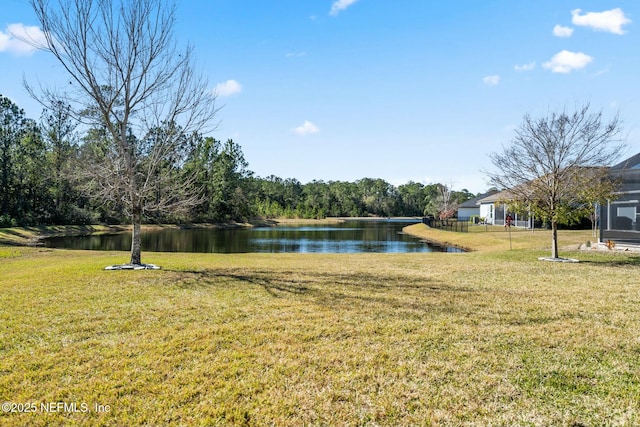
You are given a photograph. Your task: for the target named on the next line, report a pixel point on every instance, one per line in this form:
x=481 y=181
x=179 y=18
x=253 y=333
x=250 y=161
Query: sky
x=403 y=90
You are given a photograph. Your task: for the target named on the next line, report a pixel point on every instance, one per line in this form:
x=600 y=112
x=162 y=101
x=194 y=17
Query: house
x=494 y=210
x=471 y=208
x=620 y=218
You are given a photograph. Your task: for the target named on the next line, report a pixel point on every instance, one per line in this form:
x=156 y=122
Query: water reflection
x=347 y=237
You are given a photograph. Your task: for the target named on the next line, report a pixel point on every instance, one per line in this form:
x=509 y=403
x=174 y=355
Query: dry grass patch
x=493 y=338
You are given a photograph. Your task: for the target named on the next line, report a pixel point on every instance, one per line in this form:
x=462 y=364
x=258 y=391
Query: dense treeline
x=275 y=197
x=41 y=181
x=36 y=161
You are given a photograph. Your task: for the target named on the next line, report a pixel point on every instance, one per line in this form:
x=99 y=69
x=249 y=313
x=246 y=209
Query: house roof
x=530 y=188
x=494 y=197
x=632 y=162
x=473 y=203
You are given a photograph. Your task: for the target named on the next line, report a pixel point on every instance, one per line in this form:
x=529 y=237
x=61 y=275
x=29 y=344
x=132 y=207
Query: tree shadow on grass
x=21 y=239
x=7 y=242
x=194 y=279
x=618 y=261
x=330 y=289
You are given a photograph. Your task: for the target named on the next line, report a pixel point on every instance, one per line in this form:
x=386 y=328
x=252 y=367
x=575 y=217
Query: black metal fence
x=447 y=224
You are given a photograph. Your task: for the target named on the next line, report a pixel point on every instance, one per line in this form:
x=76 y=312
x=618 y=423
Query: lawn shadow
x=6 y=242
x=625 y=261
x=327 y=288
x=194 y=279
x=21 y=239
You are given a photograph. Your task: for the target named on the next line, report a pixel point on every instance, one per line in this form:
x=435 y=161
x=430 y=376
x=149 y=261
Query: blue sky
x=400 y=90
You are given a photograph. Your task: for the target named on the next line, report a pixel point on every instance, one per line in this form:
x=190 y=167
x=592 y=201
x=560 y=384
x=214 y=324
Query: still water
x=348 y=237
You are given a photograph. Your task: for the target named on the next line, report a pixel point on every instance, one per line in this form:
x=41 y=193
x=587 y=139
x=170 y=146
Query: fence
x=447 y=224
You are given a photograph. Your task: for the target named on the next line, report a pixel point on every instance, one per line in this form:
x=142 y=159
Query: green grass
x=491 y=337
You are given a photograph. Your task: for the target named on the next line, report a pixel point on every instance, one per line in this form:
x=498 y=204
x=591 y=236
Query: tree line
x=44 y=180
x=124 y=140
x=275 y=197
x=144 y=109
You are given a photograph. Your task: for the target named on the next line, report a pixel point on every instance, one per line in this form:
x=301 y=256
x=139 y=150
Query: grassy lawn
x=490 y=337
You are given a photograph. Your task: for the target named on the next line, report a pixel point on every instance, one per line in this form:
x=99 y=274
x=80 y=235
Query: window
x=625 y=218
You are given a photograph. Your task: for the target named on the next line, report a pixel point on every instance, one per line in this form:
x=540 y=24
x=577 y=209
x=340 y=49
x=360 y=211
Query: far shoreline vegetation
x=43 y=183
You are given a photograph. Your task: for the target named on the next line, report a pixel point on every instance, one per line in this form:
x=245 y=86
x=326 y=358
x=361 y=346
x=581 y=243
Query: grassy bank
x=28 y=236
x=491 y=337
x=497 y=238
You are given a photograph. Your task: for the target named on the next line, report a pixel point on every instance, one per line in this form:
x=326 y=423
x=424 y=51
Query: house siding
x=473 y=207
x=466 y=213
x=620 y=218
x=486 y=212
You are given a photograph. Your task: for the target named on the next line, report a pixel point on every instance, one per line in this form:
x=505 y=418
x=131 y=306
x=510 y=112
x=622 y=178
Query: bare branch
x=128 y=76
x=555 y=163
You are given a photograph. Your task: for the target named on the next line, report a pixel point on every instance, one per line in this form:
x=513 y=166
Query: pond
x=351 y=236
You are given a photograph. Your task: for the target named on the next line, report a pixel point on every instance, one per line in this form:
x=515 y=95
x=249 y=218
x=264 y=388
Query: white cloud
x=295 y=54
x=609 y=20
x=560 y=31
x=525 y=67
x=565 y=61
x=21 y=39
x=228 y=88
x=491 y=80
x=339 y=5
x=305 y=129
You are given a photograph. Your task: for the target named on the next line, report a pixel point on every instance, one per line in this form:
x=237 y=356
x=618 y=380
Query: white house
x=494 y=210
x=472 y=208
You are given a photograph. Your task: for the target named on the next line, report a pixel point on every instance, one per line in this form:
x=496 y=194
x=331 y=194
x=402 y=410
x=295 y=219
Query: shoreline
x=32 y=236
x=422 y=232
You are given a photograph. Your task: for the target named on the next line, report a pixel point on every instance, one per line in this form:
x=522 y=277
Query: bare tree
x=128 y=77
x=442 y=204
x=446 y=205
x=557 y=165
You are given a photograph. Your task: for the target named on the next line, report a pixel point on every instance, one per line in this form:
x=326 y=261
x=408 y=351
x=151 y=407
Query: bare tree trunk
x=136 y=238
x=554 y=239
x=128 y=77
